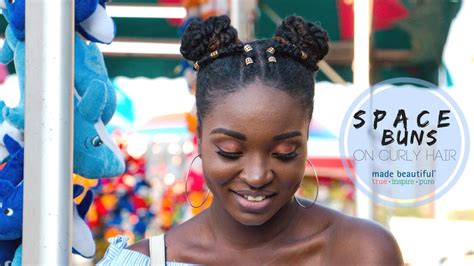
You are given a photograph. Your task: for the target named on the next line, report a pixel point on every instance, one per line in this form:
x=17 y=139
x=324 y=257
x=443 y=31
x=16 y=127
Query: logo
x=408 y=141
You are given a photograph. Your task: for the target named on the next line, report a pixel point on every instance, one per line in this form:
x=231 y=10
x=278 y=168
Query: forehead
x=257 y=108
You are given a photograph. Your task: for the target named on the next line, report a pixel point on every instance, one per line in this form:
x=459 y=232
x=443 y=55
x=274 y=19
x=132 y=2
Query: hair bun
x=308 y=37
x=202 y=37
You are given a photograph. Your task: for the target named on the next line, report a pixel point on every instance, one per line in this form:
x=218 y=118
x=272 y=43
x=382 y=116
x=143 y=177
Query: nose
x=256 y=173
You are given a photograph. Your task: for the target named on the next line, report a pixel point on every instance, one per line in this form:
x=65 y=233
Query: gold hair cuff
x=196 y=66
x=304 y=56
x=272 y=59
x=214 y=54
x=271 y=50
x=248 y=48
x=248 y=61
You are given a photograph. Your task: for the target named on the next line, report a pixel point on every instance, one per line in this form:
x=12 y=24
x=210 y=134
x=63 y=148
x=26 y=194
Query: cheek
x=215 y=170
x=290 y=174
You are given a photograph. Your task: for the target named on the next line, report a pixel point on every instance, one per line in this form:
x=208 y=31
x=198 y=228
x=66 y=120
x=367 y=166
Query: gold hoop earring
x=317 y=188
x=186 y=185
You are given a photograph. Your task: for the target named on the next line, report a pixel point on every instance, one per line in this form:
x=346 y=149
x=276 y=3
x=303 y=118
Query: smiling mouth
x=254 y=198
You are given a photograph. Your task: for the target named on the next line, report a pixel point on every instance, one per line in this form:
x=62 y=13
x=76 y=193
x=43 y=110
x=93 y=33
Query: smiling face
x=253 y=145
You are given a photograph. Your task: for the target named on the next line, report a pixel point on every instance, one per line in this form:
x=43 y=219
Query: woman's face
x=253 y=145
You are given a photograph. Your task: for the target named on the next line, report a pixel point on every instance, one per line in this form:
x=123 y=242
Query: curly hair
x=225 y=64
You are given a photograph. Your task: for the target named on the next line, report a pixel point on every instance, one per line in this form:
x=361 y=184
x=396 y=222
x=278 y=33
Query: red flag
x=385 y=14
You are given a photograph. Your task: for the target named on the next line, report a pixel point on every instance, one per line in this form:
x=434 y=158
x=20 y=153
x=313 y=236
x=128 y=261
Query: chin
x=252 y=219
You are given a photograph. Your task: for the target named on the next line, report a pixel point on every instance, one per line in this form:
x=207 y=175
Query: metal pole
x=47 y=213
x=361 y=75
x=242 y=15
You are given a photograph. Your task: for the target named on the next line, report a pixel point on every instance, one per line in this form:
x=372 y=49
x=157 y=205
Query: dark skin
x=254 y=142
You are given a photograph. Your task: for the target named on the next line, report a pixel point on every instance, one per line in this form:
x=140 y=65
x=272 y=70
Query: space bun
x=203 y=37
x=306 y=36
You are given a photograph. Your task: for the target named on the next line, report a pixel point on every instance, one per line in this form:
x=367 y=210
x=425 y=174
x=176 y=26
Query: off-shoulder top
x=118 y=254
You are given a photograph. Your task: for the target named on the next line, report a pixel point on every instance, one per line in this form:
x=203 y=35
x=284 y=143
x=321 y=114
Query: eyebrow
x=229 y=132
x=240 y=136
x=288 y=135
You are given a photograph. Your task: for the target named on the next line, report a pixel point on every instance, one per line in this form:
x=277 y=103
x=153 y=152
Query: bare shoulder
x=141 y=246
x=178 y=239
x=363 y=242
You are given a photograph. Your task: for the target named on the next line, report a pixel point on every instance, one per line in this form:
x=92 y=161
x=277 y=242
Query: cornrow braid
x=295 y=52
x=219 y=53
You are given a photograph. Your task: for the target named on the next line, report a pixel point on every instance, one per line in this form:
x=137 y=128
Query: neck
x=238 y=236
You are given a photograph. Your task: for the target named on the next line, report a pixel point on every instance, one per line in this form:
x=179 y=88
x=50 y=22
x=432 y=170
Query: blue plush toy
x=11 y=210
x=90 y=18
x=7 y=129
x=89 y=66
x=82 y=240
x=11 y=201
x=95 y=153
x=14 y=49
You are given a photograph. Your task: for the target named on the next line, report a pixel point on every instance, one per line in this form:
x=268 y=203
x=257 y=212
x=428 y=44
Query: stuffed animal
x=14 y=49
x=82 y=240
x=11 y=209
x=7 y=129
x=95 y=153
x=89 y=66
x=7 y=250
x=90 y=18
x=11 y=201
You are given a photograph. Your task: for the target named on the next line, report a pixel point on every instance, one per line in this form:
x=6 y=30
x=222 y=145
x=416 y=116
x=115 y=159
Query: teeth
x=252 y=198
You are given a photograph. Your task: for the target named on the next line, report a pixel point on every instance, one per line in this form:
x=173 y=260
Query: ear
x=199 y=137
x=98 y=27
x=93 y=103
x=11 y=144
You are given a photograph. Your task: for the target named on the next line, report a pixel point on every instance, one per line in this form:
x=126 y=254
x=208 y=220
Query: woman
x=254 y=106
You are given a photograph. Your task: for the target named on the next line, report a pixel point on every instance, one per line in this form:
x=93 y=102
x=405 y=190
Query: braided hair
x=225 y=64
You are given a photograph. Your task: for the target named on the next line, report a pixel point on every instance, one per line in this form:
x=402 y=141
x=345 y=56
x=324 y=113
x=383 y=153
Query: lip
x=254 y=193
x=253 y=206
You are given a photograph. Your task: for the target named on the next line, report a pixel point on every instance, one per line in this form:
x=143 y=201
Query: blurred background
x=155 y=120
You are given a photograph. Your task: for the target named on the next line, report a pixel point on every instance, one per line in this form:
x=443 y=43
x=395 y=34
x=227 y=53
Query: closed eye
x=229 y=155
x=285 y=156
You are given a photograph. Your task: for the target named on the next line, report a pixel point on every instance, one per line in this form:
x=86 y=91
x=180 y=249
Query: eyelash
x=237 y=155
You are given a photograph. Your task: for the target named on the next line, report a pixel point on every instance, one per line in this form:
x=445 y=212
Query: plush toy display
x=91 y=19
x=95 y=153
x=93 y=146
x=82 y=240
x=11 y=209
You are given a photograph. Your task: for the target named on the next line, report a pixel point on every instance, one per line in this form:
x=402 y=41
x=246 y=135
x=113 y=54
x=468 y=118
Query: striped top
x=117 y=254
